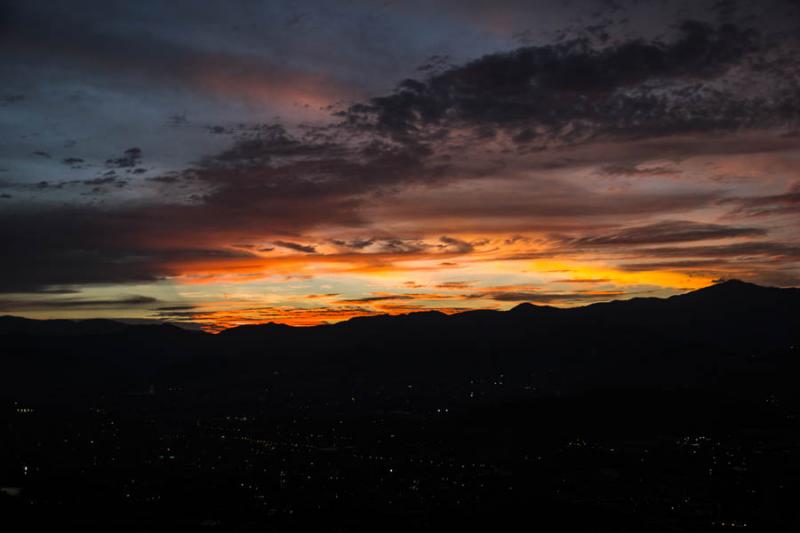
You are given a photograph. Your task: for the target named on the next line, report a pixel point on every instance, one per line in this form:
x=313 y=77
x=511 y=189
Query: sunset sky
x=221 y=163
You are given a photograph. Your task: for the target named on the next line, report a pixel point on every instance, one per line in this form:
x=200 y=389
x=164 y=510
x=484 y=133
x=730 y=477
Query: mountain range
x=727 y=333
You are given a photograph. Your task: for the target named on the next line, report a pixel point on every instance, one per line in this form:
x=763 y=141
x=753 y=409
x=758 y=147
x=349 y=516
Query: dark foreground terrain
x=647 y=415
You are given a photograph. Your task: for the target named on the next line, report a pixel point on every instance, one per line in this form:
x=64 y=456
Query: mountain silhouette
x=691 y=339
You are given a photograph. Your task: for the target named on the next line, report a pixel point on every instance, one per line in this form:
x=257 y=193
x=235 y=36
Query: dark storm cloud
x=572 y=91
x=288 y=182
x=276 y=187
x=319 y=161
x=261 y=143
x=70 y=246
x=665 y=232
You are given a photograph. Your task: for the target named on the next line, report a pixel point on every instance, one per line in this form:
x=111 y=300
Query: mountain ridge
x=730 y=329
x=728 y=291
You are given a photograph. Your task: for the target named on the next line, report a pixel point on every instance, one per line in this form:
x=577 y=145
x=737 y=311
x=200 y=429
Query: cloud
x=762 y=249
x=296 y=247
x=457 y=246
x=402 y=246
x=768 y=205
x=543 y=297
x=454 y=285
x=584 y=280
x=357 y=244
x=637 y=171
x=572 y=91
x=690 y=264
x=107 y=180
x=130 y=158
x=535 y=204
x=380 y=298
x=122 y=302
x=74 y=246
x=665 y=232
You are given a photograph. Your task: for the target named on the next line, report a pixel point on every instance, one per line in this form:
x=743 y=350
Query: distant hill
x=720 y=333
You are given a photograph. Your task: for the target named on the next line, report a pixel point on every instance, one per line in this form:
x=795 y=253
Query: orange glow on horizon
x=479 y=277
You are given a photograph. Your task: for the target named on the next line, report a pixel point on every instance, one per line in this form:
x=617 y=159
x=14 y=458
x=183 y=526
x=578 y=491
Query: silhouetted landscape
x=677 y=414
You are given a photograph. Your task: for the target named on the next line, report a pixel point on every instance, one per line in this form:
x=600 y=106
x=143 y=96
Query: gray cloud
x=129 y=159
x=122 y=302
x=665 y=232
x=757 y=249
x=571 y=91
x=775 y=204
x=637 y=171
x=453 y=245
x=296 y=247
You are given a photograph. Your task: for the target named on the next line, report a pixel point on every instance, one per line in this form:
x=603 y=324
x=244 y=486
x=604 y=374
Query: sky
x=221 y=163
